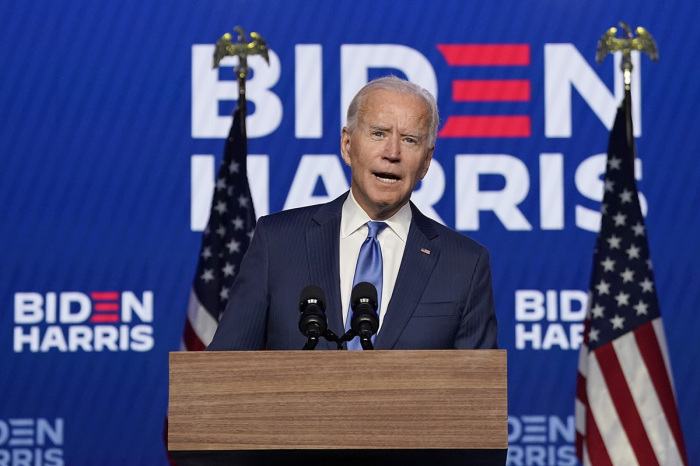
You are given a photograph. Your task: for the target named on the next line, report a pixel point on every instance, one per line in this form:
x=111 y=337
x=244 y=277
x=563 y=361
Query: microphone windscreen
x=363 y=290
x=313 y=292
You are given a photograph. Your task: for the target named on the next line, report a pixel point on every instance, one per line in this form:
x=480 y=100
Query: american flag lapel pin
x=425 y=251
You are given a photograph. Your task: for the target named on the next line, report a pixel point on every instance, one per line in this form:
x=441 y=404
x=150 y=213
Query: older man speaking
x=433 y=284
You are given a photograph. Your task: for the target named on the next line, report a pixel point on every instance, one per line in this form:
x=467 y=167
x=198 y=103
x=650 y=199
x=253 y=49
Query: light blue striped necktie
x=369 y=269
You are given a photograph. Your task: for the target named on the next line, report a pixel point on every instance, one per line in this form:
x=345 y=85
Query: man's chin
x=385 y=208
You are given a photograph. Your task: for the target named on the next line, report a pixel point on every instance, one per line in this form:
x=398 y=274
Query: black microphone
x=365 y=321
x=313 y=322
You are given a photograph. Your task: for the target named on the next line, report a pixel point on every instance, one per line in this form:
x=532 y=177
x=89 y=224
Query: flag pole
x=643 y=42
x=242 y=71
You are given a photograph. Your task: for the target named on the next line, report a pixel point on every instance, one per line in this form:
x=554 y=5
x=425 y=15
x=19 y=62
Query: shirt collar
x=353 y=217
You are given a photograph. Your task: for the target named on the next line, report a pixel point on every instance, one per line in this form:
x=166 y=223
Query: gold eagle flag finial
x=241 y=49
x=610 y=43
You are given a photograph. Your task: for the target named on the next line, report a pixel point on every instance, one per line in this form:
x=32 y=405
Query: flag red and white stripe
x=625 y=408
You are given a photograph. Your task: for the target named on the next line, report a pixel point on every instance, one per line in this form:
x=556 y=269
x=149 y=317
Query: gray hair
x=393 y=83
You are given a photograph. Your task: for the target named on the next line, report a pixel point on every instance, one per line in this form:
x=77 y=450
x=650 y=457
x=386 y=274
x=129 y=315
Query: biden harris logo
x=31 y=442
x=73 y=321
x=554 y=77
x=539 y=439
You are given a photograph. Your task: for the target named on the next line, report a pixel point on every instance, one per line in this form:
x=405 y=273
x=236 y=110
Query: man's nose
x=393 y=148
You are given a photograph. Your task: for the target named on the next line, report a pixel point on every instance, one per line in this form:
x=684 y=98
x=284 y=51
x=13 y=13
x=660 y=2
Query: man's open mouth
x=387 y=177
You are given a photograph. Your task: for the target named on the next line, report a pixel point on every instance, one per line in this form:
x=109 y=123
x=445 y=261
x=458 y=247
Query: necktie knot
x=375 y=228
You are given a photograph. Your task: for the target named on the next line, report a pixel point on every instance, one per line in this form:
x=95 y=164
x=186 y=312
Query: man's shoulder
x=303 y=215
x=288 y=219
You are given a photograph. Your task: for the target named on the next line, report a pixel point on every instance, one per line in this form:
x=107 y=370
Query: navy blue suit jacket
x=441 y=300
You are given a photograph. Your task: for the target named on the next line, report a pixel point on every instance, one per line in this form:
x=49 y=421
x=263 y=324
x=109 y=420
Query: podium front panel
x=337 y=400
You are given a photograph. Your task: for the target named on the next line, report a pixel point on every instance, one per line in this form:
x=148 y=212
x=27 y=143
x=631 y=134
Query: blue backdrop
x=113 y=123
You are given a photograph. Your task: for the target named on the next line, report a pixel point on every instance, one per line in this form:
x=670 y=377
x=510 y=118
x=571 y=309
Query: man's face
x=388 y=152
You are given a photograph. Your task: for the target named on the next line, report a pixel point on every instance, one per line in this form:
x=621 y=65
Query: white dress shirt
x=353 y=232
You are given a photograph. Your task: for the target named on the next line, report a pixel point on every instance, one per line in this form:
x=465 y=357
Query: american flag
x=625 y=402
x=224 y=241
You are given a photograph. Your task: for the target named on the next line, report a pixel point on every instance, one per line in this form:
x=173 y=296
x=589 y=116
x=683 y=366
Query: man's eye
x=378 y=134
x=411 y=141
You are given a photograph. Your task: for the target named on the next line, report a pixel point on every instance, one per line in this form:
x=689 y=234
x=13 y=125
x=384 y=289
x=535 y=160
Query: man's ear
x=345 y=146
x=426 y=165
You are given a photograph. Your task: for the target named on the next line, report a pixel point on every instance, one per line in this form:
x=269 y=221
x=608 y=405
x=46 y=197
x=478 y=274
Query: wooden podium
x=338 y=407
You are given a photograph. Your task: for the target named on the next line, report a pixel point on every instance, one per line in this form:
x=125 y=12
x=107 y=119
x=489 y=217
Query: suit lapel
x=322 y=246
x=419 y=259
